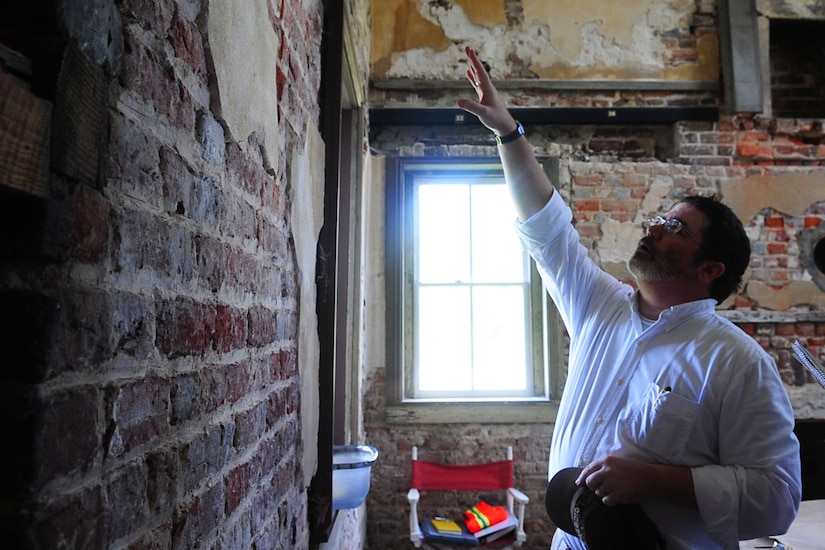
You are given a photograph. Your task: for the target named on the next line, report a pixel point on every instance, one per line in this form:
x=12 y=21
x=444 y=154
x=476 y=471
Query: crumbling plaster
x=791 y=194
x=747 y=197
x=567 y=39
x=243 y=44
x=791 y=9
x=306 y=194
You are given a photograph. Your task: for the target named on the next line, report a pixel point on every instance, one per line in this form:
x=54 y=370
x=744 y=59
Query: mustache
x=647 y=243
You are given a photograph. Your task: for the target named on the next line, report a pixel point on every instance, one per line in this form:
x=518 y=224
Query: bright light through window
x=471 y=289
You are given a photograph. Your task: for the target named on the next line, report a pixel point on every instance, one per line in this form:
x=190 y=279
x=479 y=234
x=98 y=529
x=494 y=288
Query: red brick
x=187 y=44
x=589 y=181
x=750 y=150
x=184 y=327
x=238 y=484
x=785 y=329
x=586 y=205
x=230 y=329
x=775 y=221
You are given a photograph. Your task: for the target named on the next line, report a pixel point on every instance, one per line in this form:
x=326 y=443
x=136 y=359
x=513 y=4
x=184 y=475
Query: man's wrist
x=512 y=136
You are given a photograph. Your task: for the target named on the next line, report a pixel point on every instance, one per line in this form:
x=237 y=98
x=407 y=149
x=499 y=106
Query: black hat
x=579 y=511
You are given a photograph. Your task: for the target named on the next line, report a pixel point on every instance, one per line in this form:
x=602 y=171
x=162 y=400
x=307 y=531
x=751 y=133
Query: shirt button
x=621 y=381
x=599 y=421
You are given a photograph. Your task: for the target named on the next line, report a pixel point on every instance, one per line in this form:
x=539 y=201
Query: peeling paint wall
x=566 y=39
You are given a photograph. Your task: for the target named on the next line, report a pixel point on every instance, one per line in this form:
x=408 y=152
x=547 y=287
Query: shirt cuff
x=717 y=498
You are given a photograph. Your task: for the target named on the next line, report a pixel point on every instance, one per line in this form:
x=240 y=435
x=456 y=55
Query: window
x=468 y=320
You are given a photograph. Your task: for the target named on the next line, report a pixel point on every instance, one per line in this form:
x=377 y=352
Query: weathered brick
x=69 y=435
x=230 y=328
x=127 y=490
x=249 y=425
x=184 y=327
x=238 y=483
x=185 y=398
x=162 y=475
x=139 y=413
x=262 y=324
x=187 y=44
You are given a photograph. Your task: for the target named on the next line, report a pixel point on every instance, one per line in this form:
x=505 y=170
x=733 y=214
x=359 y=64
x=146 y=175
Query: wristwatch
x=512 y=136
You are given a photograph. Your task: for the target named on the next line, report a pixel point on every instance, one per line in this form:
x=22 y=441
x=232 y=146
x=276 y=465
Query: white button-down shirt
x=691 y=389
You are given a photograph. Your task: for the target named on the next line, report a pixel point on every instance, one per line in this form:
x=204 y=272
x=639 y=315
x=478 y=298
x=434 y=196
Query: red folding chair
x=488 y=476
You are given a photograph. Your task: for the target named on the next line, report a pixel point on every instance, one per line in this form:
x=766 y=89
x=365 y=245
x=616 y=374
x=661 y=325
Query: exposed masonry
x=153 y=373
x=771 y=170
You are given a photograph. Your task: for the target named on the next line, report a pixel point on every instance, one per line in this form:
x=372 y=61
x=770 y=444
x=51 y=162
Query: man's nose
x=654 y=231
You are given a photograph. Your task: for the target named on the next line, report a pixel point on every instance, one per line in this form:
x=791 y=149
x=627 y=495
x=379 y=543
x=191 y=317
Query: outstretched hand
x=489 y=108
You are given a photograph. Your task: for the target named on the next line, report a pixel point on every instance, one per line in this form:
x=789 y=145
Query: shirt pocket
x=661 y=424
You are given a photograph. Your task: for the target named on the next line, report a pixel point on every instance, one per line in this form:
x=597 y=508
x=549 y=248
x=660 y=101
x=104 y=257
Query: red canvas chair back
x=464 y=477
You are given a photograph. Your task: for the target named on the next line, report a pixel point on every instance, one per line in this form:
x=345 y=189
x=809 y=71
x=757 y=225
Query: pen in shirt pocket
x=662 y=392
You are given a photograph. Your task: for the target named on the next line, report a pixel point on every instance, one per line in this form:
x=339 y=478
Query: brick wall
x=150 y=372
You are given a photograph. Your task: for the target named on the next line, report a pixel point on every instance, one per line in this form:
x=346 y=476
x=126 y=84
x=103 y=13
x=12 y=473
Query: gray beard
x=645 y=268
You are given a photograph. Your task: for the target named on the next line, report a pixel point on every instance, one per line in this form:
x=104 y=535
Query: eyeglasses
x=673 y=225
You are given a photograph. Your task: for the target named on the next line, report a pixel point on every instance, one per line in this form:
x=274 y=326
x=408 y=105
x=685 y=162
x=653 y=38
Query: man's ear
x=710 y=270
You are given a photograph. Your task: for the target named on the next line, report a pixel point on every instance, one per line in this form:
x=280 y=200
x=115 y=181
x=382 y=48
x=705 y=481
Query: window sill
x=502 y=412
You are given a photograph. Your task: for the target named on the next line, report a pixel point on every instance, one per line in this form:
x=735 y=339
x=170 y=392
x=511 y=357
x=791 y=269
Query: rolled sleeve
x=547 y=222
x=755 y=489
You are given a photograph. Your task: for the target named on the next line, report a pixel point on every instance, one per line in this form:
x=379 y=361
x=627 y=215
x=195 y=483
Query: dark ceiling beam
x=546 y=115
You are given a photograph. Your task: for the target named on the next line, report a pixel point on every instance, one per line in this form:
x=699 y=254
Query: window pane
x=499 y=336
x=443 y=233
x=443 y=343
x=468 y=288
x=497 y=254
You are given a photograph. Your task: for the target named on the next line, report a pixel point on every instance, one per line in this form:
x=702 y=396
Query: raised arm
x=527 y=182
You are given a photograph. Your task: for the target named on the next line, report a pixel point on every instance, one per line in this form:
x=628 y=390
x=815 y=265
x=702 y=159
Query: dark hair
x=723 y=240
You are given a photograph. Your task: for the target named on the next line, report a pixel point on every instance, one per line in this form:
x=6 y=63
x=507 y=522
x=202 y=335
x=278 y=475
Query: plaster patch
x=789 y=193
x=607 y=34
x=795 y=293
x=307 y=216
x=657 y=192
x=244 y=50
x=619 y=241
x=400 y=26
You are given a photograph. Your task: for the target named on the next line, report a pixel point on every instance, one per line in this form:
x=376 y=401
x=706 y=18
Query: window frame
x=402 y=408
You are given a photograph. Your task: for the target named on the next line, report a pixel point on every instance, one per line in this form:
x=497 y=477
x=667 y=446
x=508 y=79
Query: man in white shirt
x=666 y=404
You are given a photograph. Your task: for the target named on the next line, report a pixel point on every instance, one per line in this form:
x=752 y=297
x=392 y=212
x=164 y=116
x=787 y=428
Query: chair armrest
x=413 y=497
x=521 y=499
x=518 y=495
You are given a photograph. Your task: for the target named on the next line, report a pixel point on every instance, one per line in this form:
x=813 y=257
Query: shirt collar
x=678 y=312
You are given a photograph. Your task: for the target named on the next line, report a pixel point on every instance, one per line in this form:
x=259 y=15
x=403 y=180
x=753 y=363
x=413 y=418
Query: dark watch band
x=512 y=136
